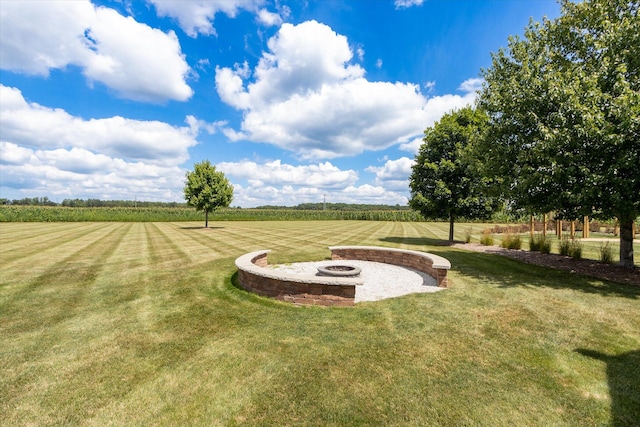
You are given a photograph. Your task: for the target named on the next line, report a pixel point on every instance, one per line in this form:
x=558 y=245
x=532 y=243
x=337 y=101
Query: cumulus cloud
x=80 y=173
x=394 y=174
x=319 y=176
x=287 y=195
x=196 y=17
x=471 y=85
x=34 y=125
x=277 y=183
x=306 y=96
x=48 y=151
x=136 y=61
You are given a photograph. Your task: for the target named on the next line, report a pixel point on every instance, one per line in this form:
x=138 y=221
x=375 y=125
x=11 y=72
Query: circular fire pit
x=339 y=270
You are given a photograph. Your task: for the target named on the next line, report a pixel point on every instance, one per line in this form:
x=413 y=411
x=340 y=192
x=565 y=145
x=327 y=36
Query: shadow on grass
x=508 y=272
x=201 y=228
x=623 y=376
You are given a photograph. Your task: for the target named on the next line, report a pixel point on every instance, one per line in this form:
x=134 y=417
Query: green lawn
x=140 y=324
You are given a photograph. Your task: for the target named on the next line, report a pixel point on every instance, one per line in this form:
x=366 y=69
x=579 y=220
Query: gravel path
x=381 y=280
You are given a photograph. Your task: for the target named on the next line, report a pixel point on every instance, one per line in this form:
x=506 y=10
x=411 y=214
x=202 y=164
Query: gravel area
x=381 y=280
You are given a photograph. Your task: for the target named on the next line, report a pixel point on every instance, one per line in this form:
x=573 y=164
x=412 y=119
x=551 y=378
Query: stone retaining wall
x=295 y=288
x=433 y=265
x=254 y=276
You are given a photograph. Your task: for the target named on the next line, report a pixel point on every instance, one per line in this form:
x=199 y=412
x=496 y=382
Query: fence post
x=573 y=230
x=559 y=228
x=531 y=226
x=585 y=228
x=544 y=225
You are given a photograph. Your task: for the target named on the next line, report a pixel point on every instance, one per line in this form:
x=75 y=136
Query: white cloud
x=48 y=151
x=197 y=16
x=412 y=146
x=319 y=176
x=379 y=63
x=394 y=174
x=471 y=85
x=36 y=126
x=133 y=59
x=252 y=196
x=407 y=3
x=79 y=173
x=269 y=19
x=276 y=183
x=305 y=96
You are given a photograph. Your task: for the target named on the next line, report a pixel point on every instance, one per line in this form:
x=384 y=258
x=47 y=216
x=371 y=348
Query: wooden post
x=573 y=230
x=544 y=225
x=585 y=227
x=531 y=226
x=559 y=228
x=616 y=228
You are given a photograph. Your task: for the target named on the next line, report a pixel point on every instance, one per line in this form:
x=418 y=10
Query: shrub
x=606 y=253
x=467 y=235
x=534 y=243
x=545 y=245
x=576 y=250
x=511 y=241
x=564 y=247
x=486 y=238
x=572 y=248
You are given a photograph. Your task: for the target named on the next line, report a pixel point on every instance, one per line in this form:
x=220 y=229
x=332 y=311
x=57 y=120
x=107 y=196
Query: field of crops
x=16 y=213
x=139 y=323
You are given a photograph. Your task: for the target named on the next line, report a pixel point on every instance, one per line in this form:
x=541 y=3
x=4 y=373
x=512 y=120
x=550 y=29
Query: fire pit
x=339 y=270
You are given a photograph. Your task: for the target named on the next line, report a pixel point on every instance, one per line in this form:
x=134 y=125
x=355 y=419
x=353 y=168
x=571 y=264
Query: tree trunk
x=626 y=241
x=451 y=228
x=206 y=219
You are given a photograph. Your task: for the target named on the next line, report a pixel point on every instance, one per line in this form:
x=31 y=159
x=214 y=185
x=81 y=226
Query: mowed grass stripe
x=54 y=291
x=25 y=264
x=40 y=237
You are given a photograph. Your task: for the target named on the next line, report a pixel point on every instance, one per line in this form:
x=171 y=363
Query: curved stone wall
x=433 y=265
x=253 y=275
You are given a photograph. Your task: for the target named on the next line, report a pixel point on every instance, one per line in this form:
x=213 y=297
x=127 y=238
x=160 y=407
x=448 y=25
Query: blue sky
x=294 y=101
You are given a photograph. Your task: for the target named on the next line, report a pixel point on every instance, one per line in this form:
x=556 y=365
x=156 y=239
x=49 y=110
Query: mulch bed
x=586 y=267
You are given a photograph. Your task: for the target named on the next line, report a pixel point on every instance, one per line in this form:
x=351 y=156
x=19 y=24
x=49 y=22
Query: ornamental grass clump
x=606 y=253
x=511 y=241
x=545 y=245
x=572 y=248
x=564 y=247
x=486 y=238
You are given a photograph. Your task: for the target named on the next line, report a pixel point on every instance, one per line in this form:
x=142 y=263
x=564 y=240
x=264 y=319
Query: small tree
x=446 y=182
x=207 y=189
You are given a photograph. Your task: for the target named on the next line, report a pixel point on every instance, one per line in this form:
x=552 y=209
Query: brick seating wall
x=253 y=275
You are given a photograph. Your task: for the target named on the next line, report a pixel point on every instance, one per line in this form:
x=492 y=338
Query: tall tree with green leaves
x=446 y=181
x=564 y=108
x=207 y=189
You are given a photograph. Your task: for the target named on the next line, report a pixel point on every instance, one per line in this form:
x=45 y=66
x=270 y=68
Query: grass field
x=140 y=324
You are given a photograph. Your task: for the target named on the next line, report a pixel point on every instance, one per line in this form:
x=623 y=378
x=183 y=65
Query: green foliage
x=14 y=213
x=564 y=108
x=207 y=189
x=445 y=181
